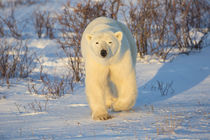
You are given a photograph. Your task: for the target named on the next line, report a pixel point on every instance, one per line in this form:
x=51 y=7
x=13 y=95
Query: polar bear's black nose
x=103 y=53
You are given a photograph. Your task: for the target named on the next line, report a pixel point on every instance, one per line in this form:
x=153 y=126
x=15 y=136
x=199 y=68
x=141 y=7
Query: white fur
x=111 y=80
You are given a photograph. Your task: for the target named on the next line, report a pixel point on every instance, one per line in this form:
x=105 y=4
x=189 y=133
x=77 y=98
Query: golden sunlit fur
x=110 y=79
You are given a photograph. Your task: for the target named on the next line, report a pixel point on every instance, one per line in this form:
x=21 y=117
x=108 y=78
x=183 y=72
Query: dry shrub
x=15 y=3
x=33 y=107
x=186 y=15
x=139 y=19
x=44 y=23
x=12 y=25
x=164 y=88
x=1 y=29
x=1 y=4
x=15 y=60
x=25 y=2
x=39 y=23
x=168 y=125
x=158 y=26
x=51 y=86
x=49 y=25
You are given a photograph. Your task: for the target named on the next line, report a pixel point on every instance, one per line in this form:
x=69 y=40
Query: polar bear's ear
x=89 y=37
x=119 y=35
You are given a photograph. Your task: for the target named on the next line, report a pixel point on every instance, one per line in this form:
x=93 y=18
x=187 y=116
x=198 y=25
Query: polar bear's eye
x=97 y=43
x=110 y=42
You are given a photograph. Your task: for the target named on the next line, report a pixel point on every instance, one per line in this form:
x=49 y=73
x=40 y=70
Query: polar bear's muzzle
x=103 y=53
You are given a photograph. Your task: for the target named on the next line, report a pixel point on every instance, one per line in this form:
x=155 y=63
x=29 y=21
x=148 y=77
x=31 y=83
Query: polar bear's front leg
x=96 y=99
x=96 y=89
x=127 y=92
x=123 y=75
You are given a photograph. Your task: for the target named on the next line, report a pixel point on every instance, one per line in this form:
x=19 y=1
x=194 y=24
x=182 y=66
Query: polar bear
x=109 y=51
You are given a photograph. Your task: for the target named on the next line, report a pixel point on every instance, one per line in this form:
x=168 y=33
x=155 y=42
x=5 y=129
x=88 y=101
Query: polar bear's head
x=104 y=45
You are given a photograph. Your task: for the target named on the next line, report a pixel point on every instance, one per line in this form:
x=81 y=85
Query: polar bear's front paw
x=121 y=106
x=101 y=116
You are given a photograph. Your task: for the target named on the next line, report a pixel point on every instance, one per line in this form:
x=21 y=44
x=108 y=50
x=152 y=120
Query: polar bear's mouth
x=103 y=53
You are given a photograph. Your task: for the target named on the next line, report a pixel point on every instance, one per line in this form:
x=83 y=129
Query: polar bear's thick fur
x=110 y=52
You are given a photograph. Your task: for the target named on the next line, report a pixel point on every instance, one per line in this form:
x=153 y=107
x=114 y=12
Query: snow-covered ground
x=183 y=113
x=173 y=100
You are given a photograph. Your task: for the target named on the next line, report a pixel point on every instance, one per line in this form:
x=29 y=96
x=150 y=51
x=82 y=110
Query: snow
x=183 y=112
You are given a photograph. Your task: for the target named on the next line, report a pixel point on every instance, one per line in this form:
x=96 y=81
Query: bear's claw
x=102 y=117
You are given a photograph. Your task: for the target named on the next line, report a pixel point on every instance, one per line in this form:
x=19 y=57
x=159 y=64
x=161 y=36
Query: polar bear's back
x=102 y=24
